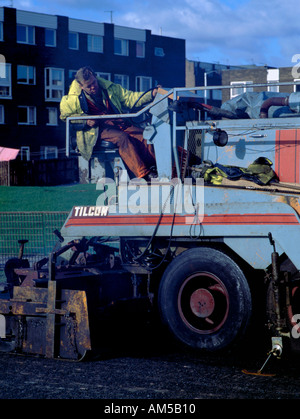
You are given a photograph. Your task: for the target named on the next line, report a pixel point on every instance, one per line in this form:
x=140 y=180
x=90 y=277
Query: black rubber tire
x=204 y=299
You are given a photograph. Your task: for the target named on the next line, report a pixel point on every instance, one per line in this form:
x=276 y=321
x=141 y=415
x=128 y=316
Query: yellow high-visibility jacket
x=74 y=104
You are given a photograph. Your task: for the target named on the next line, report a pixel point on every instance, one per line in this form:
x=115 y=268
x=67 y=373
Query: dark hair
x=84 y=74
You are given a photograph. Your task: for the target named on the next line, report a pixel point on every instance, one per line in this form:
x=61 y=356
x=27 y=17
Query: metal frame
x=175 y=128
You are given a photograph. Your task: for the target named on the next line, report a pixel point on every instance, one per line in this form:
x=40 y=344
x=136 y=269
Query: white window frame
x=6 y=82
x=92 y=44
x=273 y=77
x=54 y=37
x=140 y=82
x=273 y=88
x=124 y=44
x=124 y=80
x=51 y=88
x=28 y=67
x=2 y=120
x=31 y=115
x=25 y=152
x=295 y=87
x=27 y=40
x=240 y=87
x=55 y=116
x=46 y=150
x=106 y=76
x=77 y=40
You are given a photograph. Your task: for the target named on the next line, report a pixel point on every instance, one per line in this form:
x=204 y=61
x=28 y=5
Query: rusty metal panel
x=75 y=331
x=37 y=322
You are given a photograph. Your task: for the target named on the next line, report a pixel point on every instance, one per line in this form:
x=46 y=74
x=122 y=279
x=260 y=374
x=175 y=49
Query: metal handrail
x=172 y=92
x=109 y=116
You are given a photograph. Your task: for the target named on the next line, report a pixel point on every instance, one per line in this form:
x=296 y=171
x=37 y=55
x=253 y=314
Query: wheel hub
x=202 y=303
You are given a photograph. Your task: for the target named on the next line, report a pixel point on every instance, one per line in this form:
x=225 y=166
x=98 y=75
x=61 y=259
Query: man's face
x=90 y=86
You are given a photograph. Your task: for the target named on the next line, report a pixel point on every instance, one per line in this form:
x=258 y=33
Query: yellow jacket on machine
x=75 y=104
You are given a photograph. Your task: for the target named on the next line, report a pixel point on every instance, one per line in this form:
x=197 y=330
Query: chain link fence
x=36 y=227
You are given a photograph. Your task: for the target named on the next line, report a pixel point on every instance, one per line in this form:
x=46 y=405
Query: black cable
x=135 y=105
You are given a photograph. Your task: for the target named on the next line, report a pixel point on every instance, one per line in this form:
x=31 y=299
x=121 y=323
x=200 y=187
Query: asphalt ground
x=144 y=364
x=151 y=370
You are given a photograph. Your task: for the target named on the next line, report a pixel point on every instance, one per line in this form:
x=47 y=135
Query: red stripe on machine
x=216 y=219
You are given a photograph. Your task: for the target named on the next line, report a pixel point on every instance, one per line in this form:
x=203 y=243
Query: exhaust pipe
x=292 y=101
x=272 y=101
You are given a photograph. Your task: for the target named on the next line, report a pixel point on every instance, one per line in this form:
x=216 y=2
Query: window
x=1 y=114
x=297 y=86
x=73 y=40
x=273 y=77
x=273 y=88
x=54 y=84
x=122 y=80
x=26 y=115
x=1 y=31
x=25 y=74
x=239 y=87
x=2 y=66
x=143 y=83
x=140 y=49
x=52 y=116
x=159 y=52
x=105 y=76
x=25 y=153
x=50 y=37
x=25 y=34
x=95 y=43
x=121 y=46
x=71 y=76
x=48 y=152
x=5 y=82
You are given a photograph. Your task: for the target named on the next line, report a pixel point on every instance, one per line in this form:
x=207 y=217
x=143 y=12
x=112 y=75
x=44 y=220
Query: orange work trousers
x=136 y=154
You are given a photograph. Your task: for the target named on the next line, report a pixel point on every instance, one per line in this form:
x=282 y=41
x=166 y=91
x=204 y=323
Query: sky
x=231 y=32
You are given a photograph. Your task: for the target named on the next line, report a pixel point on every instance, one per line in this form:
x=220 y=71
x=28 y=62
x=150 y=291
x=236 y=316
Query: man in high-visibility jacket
x=90 y=95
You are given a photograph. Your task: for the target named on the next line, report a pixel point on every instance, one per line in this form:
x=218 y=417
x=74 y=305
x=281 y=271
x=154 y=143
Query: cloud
x=227 y=31
x=257 y=31
x=224 y=31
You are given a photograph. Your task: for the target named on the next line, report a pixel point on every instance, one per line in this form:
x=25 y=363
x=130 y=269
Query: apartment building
x=199 y=73
x=39 y=55
x=243 y=79
x=240 y=79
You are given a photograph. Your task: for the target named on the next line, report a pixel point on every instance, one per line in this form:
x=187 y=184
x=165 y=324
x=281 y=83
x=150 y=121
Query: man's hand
x=92 y=122
x=154 y=91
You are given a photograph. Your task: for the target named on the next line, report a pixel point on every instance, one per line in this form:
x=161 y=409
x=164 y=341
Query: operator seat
x=108 y=156
x=104 y=162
